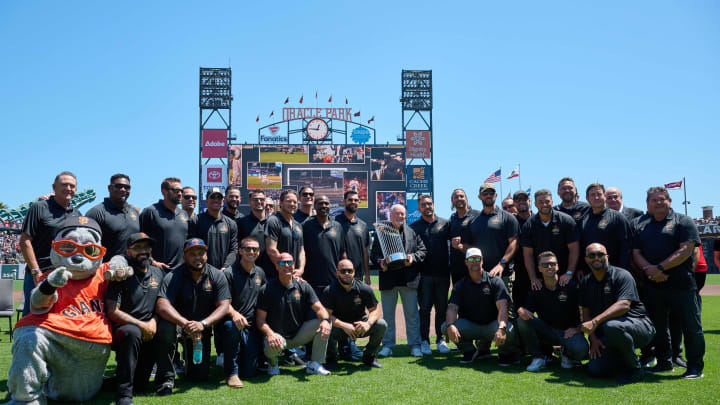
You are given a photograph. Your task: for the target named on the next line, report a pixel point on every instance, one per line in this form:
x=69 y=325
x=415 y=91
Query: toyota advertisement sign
x=214 y=176
x=214 y=143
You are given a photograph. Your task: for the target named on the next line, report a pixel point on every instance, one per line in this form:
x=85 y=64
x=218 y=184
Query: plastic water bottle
x=197 y=351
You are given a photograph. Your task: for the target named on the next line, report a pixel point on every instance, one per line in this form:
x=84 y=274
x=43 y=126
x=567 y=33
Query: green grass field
x=297 y=157
x=274 y=182
x=712 y=279
x=436 y=379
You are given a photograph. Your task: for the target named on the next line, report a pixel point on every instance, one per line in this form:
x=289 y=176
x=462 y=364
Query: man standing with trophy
x=399 y=250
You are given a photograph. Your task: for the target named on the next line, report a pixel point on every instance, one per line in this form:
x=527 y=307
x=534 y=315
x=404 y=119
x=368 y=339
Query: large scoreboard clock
x=317 y=129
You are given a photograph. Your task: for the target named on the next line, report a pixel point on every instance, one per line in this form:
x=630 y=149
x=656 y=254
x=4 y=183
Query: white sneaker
x=536 y=365
x=274 y=370
x=316 y=368
x=425 y=347
x=442 y=347
x=220 y=362
x=416 y=352
x=565 y=362
x=385 y=352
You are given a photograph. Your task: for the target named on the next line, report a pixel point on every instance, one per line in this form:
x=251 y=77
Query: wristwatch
x=503 y=261
x=35 y=272
x=204 y=324
x=660 y=267
x=502 y=328
x=569 y=272
x=327 y=319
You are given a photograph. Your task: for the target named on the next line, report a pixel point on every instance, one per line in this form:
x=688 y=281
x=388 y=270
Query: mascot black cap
x=79 y=222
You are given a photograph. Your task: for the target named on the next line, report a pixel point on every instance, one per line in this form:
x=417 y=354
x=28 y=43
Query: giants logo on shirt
x=223 y=228
x=257 y=280
x=296 y=295
x=208 y=285
x=668 y=227
x=607 y=289
x=555 y=230
x=72 y=311
x=153 y=282
x=495 y=220
x=562 y=297
x=486 y=289
x=357 y=300
x=577 y=216
x=602 y=224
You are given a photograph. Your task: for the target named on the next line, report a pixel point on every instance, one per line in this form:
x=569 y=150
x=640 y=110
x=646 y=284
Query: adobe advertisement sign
x=418 y=179
x=417 y=144
x=214 y=143
x=213 y=176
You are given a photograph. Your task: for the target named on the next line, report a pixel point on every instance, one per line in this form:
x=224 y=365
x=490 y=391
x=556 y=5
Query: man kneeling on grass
x=478 y=310
x=557 y=320
x=280 y=315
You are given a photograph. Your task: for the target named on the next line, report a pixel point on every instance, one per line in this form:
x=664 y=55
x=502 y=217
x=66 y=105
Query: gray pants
x=376 y=333
x=306 y=334
x=539 y=338
x=408 y=296
x=484 y=334
x=48 y=364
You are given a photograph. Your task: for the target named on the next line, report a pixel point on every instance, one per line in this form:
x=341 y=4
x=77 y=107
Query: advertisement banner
x=413 y=214
x=214 y=143
x=418 y=179
x=9 y=271
x=417 y=144
x=213 y=176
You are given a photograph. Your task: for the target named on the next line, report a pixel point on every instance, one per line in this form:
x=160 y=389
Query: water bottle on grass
x=197 y=350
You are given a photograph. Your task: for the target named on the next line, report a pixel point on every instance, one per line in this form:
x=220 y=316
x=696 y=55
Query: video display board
x=376 y=172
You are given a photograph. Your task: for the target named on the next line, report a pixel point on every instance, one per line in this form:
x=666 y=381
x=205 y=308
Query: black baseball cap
x=79 y=222
x=140 y=237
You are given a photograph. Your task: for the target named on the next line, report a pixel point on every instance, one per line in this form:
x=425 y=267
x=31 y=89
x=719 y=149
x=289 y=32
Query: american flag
x=674 y=184
x=494 y=178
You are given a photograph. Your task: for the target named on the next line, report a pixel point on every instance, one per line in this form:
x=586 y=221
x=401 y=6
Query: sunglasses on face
x=474 y=259
x=67 y=248
x=548 y=265
x=120 y=186
x=487 y=193
x=215 y=197
x=250 y=249
x=307 y=194
x=190 y=197
x=285 y=262
x=175 y=190
x=598 y=255
x=346 y=271
x=426 y=204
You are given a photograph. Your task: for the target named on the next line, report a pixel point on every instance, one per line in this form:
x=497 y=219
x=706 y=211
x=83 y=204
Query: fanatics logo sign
x=214 y=143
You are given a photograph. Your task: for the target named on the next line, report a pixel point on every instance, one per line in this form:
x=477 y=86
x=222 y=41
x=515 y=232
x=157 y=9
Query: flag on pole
x=674 y=185
x=287 y=100
x=272 y=113
x=357 y=114
x=514 y=173
x=371 y=119
x=301 y=99
x=330 y=99
x=315 y=94
x=257 y=119
x=494 y=178
x=345 y=100
x=529 y=190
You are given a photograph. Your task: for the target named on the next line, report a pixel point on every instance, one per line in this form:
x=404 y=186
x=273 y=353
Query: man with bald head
x=324 y=242
x=614 y=200
x=401 y=281
x=347 y=300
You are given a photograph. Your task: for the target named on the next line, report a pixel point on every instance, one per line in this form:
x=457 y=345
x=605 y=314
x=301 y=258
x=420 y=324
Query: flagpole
x=685 y=203
x=519 y=180
x=501 y=191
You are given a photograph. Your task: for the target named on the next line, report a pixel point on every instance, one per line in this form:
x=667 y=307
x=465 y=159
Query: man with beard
x=253 y=225
x=232 y=200
x=550 y=230
x=570 y=204
x=189 y=201
x=167 y=224
x=41 y=223
x=242 y=339
x=307 y=201
x=192 y=298
x=663 y=246
x=117 y=219
x=357 y=236
x=324 y=243
x=614 y=200
x=217 y=230
x=402 y=281
x=614 y=318
x=434 y=273
x=607 y=227
x=521 y=286
x=130 y=305
x=556 y=322
x=346 y=300
x=508 y=205
x=459 y=222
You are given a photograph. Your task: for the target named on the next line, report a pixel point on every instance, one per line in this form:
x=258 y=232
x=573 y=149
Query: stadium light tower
x=215 y=125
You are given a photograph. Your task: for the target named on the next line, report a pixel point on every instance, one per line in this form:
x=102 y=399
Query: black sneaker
x=693 y=374
x=331 y=362
x=637 y=375
x=505 y=360
x=372 y=362
x=661 y=367
x=483 y=354
x=679 y=362
x=294 y=360
x=469 y=357
x=164 y=390
x=648 y=361
x=124 y=401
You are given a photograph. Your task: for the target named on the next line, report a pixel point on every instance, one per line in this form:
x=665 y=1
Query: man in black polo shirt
x=663 y=246
x=521 y=285
x=357 y=236
x=189 y=201
x=434 y=272
x=569 y=200
x=478 y=310
x=614 y=199
x=459 y=222
x=41 y=223
x=614 y=318
x=284 y=234
x=167 y=224
x=306 y=203
x=117 y=219
x=324 y=243
x=550 y=230
x=130 y=305
x=556 y=322
x=606 y=227
x=254 y=225
x=232 y=201
x=281 y=312
x=192 y=297
x=218 y=231
x=242 y=339
x=346 y=300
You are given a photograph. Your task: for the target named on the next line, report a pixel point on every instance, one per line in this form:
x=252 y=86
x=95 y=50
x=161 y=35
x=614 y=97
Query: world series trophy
x=392 y=245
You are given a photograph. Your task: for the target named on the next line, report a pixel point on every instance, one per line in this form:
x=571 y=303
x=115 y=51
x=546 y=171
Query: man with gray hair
x=614 y=200
x=403 y=281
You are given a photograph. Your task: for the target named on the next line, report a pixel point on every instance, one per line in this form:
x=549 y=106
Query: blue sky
x=625 y=93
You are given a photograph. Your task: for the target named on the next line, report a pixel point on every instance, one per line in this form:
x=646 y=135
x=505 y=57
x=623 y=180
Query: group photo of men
x=592 y=284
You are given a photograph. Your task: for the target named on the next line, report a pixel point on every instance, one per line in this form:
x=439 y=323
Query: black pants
x=620 y=336
x=433 y=291
x=135 y=359
x=167 y=337
x=684 y=306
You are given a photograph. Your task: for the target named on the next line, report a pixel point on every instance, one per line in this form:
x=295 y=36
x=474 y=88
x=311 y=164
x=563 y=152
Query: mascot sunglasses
x=67 y=248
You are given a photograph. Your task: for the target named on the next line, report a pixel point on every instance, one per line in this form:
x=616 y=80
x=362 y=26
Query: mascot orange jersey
x=77 y=312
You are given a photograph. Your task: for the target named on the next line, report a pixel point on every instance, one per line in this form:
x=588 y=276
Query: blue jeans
x=410 y=310
x=242 y=348
x=539 y=337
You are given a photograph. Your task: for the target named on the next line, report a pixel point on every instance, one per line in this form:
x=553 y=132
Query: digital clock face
x=317 y=129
